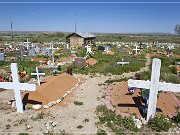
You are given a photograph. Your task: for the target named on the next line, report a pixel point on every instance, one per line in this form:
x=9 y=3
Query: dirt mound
x=130 y=103
x=91 y=61
x=53 y=88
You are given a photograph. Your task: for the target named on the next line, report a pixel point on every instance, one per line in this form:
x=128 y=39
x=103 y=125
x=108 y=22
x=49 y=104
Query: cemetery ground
x=83 y=110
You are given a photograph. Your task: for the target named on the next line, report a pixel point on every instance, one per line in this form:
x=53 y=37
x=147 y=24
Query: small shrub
x=176 y=118
x=8 y=126
x=101 y=132
x=23 y=134
x=160 y=123
x=86 y=120
x=78 y=103
x=173 y=70
x=39 y=116
x=80 y=126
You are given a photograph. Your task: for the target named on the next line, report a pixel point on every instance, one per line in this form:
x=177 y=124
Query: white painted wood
x=88 y=50
x=122 y=63
x=162 y=86
x=38 y=75
x=136 y=49
x=155 y=74
x=17 y=86
x=154 y=85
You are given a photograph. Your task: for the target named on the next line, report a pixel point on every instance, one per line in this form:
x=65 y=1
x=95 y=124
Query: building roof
x=83 y=34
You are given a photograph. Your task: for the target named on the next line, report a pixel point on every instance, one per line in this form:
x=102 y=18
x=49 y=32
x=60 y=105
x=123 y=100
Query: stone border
x=52 y=103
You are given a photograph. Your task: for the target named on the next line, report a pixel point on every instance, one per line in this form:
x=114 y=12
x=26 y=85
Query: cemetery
x=127 y=85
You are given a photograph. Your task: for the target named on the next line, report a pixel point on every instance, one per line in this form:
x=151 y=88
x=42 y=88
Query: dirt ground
x=71 y=118
x=131 y=104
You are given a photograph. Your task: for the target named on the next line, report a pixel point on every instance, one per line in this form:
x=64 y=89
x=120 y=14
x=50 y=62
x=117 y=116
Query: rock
x=143 y=120
x=54 y=124
x=28 y=126
x=45 y=106
x=138 y=123
x=50 y=104
x=68 y=92
x=9 y=102
x=46 y=132
x=58 y=100
x=65 y=95
x=13 y=104
x=37 y=106
x=53 y=102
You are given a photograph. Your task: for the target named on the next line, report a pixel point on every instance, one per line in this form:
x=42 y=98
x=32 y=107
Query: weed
x=23 y=134
x=78 y=103
x=39 y=116
x=160 y=123
x=80 y=126
x=86 y=120
x=101 y=132
x=115 y=122
x=176 y=118
x=8 y=126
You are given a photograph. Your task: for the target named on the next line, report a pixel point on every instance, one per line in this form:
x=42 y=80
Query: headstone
x=154 y=85
x=101 y=48
x=80 y=62
x=2 y=57
x=38 y=75
x=17 y=86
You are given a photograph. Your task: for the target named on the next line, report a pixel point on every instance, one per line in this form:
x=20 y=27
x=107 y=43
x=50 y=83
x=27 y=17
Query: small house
x=78 y=39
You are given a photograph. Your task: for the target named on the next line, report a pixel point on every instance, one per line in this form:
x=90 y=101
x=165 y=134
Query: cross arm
x=162 y=86
x=6 y=85
x=139 y=83
x=169 y=87
x=26 y=86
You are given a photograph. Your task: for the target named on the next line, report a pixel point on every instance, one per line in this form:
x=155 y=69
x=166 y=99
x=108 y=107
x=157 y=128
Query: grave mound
x=131 y=104
x=53 y=88
x=91 y=61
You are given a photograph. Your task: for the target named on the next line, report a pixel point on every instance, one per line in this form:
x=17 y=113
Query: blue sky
x=91 y=17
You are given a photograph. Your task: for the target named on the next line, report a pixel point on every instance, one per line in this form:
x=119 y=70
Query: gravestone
x=17 y=86
x=154 y=85
x=2 y=57
x=101 y=48
x=80 y=62
x=38 y=75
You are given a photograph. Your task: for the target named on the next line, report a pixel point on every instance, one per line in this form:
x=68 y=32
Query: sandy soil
x=67 y=115
x=130 y=104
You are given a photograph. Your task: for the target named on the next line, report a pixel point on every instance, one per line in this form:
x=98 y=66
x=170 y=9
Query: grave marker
x=136 y=49
x=122 y=62
x=154 y=85
x=38 y=75
x=17 y=86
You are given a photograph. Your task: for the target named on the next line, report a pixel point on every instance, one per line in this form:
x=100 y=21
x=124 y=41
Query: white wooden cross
x=136 y=49
x=154 y=85
x=88 y=49
x=38 y=75
x=122 y=62
x=27 y=44
x=17 y=86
